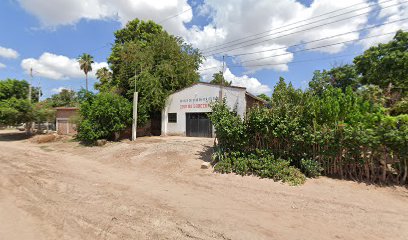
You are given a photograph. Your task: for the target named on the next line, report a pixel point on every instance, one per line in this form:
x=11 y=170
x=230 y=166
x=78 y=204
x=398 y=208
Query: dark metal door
x=198 y=125
x=155 y=128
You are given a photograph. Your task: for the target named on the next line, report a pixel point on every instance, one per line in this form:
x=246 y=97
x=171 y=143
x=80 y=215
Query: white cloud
x=63 y=12
x=232 y=21
x=229 y=20
x=2 y=66
x=8 y=53
x=58 y=90
x=388 y=15
x=58 y=67
x=253 y=85
x=276 y=59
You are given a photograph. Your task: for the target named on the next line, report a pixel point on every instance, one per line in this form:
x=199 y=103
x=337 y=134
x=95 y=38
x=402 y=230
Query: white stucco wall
x=197 y=99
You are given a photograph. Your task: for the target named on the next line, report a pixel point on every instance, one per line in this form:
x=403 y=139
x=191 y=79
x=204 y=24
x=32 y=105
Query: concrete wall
x=63 y=124
x=197 y=99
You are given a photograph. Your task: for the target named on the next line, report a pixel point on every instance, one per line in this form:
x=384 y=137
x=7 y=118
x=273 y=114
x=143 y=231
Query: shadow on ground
x=205 y=154
x=13 y=136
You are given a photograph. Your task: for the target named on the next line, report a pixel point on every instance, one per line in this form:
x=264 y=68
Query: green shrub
x=339 y=133
x=229 y=127
x=262 y=164
x=310 y=168
x=103 y=115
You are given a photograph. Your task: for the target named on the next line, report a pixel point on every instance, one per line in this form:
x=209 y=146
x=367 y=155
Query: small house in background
x=64 y=117
x=186 y=111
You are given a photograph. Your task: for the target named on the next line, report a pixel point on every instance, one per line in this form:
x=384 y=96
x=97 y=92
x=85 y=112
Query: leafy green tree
x=15 y=111
x=386 y=65
x=264 y=97
x=65 y=98
x=372 y=93
x=85 y=63
x=103 y=116
x=218 y=78
x=43 y=112
x=105 y=78
x=15 y=107
x=84 y=95
x=344 y=76
x=401 y=107
x=339 y=77
x=320 y=81
x=19 y=89
x=147 y=59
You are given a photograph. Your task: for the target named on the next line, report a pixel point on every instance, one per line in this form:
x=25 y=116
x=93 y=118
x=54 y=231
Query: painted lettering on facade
x=198 y=103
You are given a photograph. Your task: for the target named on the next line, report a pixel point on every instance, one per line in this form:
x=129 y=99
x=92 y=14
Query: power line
x=178 y=14
x=300 y=61
x=318 y=47
x=307 y=60
x=317 y=40
x=286 y=63
x=303 y=30
x=250 y=36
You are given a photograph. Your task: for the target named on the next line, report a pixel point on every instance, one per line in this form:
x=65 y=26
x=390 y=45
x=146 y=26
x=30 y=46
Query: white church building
x=185 y=112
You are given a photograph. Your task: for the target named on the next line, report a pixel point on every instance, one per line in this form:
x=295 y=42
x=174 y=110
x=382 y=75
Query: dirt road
x=154 y=189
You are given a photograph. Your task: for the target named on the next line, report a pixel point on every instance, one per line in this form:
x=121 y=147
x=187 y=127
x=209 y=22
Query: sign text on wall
x=199 y=102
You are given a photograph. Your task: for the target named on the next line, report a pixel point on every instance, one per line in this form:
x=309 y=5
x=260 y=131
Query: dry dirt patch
x=154 y=189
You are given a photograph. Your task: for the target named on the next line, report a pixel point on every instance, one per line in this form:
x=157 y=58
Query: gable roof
x=208 y=84
x=217 y=85
x=256 y=98
x=212 y=84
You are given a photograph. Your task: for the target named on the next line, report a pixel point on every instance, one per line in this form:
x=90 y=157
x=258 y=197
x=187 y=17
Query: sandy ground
x=154 y=189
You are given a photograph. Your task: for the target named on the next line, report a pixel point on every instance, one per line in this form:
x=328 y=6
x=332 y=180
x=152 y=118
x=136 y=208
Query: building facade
x=186 y=111
x=64 y=125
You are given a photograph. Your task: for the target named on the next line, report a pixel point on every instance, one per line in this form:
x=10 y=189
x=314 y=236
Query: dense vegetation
x=102 y=116
x=345 y=124
x=147 y=59
x=16 y=108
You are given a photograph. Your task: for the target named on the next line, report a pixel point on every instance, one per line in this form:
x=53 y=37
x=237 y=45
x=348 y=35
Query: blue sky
x=63 y=31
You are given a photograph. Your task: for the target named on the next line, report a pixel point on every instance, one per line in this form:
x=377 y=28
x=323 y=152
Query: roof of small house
x=256 y=98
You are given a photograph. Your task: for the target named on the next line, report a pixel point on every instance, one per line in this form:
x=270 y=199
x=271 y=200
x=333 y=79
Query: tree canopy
x=105 y=79
x=386 y=65
x=65 y=98
x=147 y=59
x=218 y=78
x=339 y=77
x=264 y=97
x=103 y=115
x=15 y=107
x=380 y=74
x=85 y=64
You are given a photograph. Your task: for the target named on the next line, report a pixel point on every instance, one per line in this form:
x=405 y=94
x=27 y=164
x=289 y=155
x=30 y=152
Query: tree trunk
x=86 y=78
x=404 y=177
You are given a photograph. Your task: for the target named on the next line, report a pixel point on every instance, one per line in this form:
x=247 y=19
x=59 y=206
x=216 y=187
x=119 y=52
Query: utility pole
x=134 y=124
x=29 y=124
x=222 y=80
x=29 y=85
x=39 y=90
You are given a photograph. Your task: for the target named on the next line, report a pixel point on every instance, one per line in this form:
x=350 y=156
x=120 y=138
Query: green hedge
x=103 y=115
x=338 y=132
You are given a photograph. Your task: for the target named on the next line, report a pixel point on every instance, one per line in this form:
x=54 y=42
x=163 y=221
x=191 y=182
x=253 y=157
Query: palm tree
x=85 y=63
x=104 y=76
